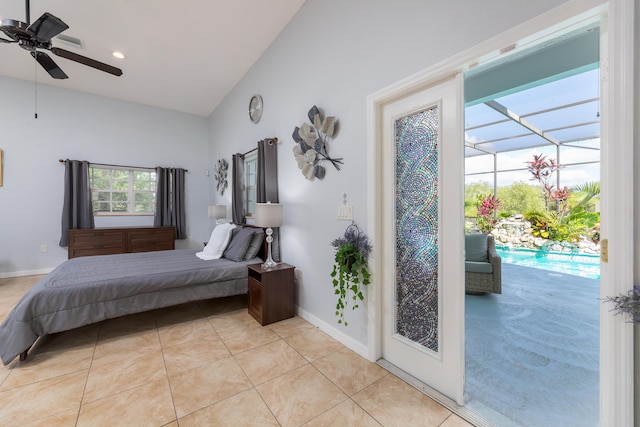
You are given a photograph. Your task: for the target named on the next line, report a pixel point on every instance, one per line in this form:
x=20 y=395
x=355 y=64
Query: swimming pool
x=583 y=265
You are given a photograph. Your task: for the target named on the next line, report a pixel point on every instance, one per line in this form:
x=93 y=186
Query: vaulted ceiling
x=182 y=55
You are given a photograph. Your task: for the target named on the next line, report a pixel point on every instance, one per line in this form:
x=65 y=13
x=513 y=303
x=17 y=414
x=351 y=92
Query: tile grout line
x=86 y=380
x=166 y=372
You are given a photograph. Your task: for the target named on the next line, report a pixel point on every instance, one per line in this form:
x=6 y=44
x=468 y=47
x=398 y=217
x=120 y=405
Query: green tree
x=471 y=193
x=520 y=197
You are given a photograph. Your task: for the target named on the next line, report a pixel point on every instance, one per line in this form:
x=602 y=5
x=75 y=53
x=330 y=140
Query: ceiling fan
x=38 y=35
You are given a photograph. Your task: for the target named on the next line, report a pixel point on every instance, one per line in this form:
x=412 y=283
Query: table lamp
x=217 y=212
x=268 y=215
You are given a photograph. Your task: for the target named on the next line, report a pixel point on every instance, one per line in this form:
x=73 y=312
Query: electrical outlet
x=345 y=213
x=44 y=248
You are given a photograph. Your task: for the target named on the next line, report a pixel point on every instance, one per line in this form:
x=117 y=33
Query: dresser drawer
x=105 y=241
x=107 y=249
x=85 y=238
x=151 y=239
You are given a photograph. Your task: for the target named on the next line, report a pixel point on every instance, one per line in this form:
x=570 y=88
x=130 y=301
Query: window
x=122 y=191
x=250 y=181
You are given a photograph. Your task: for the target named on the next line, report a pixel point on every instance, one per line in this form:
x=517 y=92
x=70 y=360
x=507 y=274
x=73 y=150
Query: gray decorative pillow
x=238 y=244
x=255 y=245
x=475 y=246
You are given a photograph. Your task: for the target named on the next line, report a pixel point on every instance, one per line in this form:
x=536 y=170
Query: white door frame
x=616 y=335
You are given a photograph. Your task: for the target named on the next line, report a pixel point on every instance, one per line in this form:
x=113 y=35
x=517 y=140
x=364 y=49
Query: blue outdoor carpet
x=532 y=353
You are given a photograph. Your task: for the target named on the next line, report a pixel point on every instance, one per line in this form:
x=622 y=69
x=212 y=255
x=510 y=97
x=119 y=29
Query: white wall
x=333 y=54
x=84 y=127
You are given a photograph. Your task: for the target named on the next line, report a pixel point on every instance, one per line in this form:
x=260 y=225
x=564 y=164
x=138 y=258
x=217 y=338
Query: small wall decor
x=311 y=147
x=221 y=175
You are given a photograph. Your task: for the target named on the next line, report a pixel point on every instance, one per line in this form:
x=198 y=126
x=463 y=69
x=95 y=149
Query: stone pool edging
x=517 y=233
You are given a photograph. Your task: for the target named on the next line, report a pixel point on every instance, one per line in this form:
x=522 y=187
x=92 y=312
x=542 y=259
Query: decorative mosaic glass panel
x=416 y=140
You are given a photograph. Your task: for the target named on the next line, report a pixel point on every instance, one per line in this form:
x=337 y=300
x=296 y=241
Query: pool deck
x=532 y=353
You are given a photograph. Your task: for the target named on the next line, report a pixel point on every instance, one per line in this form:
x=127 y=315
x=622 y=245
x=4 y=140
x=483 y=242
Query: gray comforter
x=86 y=290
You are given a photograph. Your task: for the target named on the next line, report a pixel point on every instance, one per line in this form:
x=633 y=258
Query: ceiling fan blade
x=87 y=61
x=46 y=27
x=6 y=41
x=48 y=64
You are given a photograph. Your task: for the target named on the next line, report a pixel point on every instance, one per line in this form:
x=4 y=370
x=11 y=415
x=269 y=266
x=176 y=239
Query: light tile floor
x=202 y=364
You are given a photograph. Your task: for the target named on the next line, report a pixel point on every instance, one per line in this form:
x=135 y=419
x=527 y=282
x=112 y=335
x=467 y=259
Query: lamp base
x=269 y=263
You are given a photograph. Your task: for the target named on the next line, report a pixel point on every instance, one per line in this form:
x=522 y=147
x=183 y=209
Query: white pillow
x=218 y=242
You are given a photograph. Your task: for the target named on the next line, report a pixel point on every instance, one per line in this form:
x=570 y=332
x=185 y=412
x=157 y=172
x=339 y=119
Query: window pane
x=101 y=196
x=101 y=207
x=144 y=197
x=100 y=184
x=119 y=207
x=119 y=197
x=119 y=174
x=144 y=207
x=122 y=186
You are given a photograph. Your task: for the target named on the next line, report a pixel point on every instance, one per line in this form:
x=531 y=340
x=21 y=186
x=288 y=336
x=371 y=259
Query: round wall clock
x=255 y=108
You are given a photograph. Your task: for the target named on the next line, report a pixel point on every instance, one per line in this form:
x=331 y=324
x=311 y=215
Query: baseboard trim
x=25 y=273
x=334 y=333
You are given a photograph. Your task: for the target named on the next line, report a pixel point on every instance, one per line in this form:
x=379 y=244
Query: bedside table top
x=280 y=266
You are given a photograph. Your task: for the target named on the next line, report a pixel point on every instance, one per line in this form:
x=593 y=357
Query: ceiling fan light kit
x=37 y=36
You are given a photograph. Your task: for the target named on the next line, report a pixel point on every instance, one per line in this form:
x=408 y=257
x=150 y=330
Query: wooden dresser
x=105 y=241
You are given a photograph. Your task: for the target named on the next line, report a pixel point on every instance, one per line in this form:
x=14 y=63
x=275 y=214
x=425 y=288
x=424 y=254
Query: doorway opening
x=617 y=53
x=532 y=156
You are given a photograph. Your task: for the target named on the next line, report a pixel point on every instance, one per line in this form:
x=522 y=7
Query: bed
x=86 y=290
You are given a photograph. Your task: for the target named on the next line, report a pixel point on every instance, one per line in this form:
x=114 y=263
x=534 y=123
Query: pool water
x=583 y=265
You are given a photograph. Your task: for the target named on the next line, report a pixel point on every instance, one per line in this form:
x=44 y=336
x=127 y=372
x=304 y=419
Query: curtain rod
x=118 y=166
x=271 y=141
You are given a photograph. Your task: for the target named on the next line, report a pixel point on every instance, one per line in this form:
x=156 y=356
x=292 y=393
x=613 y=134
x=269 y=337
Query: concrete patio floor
x=532 y=353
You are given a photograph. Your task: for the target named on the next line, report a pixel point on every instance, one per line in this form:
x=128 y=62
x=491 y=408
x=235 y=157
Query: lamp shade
x=217 y=211
x=268 y=215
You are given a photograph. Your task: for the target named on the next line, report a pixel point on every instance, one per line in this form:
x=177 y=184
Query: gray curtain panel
x=170 y=200
x=267 y=183
x=267 y=179
x=77 y=211
x=237 y=189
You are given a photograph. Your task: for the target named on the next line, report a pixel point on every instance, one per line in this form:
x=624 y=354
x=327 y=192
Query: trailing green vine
x=350 y=270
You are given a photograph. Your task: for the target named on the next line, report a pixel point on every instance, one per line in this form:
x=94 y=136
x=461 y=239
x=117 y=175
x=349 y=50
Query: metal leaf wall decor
x=312 y=147
x=221 y=168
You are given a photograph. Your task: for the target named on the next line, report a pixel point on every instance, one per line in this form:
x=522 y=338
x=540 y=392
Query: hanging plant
x=350 y=271
x=629 y=303
x=312 y=147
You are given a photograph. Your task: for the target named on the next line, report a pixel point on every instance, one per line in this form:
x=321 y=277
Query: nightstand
x=271 y=293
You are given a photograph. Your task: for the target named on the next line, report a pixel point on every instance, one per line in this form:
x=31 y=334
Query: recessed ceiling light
x=118 y=55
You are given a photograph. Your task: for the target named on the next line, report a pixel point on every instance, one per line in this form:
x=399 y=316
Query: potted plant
x=350 y=272
x=629 y=303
